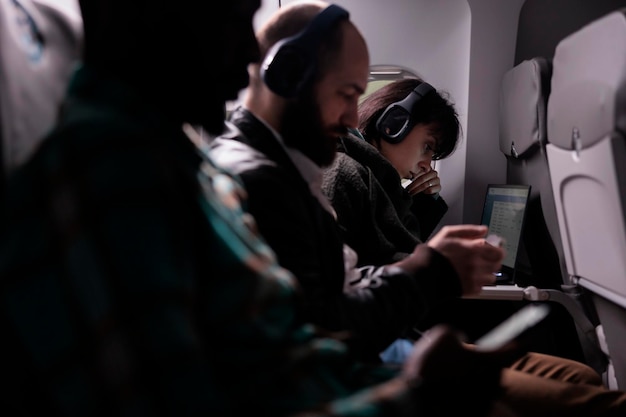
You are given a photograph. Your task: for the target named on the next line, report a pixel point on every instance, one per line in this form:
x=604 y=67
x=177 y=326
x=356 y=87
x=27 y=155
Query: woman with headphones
x=381 y=184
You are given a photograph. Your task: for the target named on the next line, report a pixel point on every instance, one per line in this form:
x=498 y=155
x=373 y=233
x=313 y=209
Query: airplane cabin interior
x=540 y=86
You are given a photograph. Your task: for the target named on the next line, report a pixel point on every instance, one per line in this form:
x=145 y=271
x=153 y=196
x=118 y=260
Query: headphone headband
x=321 y=23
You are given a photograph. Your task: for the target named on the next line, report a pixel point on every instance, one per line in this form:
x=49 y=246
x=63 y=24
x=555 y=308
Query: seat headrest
x=523 y=106
x=588 y=97
x=40 y=43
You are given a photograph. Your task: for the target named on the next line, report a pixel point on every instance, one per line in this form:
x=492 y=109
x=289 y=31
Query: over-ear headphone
x=396 y=122
x=290 y=64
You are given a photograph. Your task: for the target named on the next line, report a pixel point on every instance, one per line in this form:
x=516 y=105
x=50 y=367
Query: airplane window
x=381 y=75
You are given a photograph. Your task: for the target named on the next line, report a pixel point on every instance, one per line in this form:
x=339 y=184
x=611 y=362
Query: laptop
x=504 y=211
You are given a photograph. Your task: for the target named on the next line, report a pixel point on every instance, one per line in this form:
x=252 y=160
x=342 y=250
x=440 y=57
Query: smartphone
x=517 y=324
x=495 y=240
x=406 y=182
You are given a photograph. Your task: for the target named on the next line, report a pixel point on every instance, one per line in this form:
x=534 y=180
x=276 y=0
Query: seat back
x=523 y=136
x=541 y=261
x=40 y=43
x=587 y=158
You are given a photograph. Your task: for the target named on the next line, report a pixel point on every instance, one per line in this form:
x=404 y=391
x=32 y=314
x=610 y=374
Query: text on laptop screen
x=503 y=213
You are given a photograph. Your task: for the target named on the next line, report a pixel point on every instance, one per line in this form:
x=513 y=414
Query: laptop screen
x=503 y=212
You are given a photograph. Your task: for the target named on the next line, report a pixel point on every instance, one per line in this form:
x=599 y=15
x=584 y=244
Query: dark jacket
x=381 y=221
x=307 y=241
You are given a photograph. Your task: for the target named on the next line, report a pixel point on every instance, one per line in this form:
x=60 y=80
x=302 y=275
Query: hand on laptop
x=474 y=261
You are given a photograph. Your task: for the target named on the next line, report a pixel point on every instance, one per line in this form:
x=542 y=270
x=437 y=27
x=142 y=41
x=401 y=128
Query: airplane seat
x=541 y=271
x=40 y=42
x=522 y=122
x=587 y=157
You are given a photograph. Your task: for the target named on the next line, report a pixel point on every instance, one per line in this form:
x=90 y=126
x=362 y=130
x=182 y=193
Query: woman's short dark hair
x=434 y=109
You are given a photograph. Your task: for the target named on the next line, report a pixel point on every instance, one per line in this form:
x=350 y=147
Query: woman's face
x=414 y=154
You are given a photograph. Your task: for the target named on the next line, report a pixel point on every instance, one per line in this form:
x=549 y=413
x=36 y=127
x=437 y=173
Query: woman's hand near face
x=426 y=182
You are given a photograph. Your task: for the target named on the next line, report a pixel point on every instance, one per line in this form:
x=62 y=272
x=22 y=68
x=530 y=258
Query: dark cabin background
x=544 y=23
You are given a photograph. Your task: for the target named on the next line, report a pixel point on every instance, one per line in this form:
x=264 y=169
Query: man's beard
x=302 y=128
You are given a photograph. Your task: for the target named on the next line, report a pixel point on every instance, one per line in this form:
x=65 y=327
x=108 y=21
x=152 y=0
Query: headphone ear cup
x=287 y=68
x=290 y=64
x=395 y=121
x=386 y=125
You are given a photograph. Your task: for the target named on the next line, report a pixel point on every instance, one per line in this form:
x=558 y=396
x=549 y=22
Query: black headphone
x=396 y=122
x=290 y=64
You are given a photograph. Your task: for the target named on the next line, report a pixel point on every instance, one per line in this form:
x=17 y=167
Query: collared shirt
x=134 y=284
x=310 y=171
